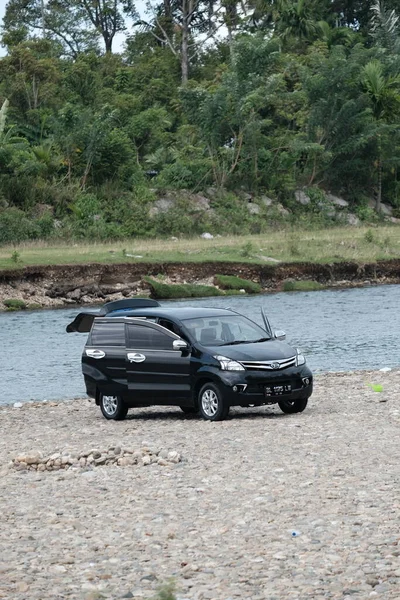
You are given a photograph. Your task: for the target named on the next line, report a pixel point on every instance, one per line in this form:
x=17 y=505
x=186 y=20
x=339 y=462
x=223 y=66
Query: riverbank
x=38 y=275
x=69 y=285
x=220 y=521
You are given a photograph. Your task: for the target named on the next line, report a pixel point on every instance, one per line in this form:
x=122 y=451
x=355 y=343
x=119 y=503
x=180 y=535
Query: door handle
x=95 y=353
x=136 y=357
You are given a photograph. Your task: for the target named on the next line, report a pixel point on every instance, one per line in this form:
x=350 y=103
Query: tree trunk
x=108 y=40
x=185 y=41
x=379 y=195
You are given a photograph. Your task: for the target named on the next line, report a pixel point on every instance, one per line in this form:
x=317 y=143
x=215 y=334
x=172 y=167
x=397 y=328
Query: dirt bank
x=219 y=521
x=93 y=283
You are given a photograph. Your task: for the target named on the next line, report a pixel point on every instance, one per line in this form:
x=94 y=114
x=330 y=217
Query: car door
x=156 y=371
x=104 y=357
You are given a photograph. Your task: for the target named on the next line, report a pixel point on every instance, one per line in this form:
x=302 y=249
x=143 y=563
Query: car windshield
x=224 y=331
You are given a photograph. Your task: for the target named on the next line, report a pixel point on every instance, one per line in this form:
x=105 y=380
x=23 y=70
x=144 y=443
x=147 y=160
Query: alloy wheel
x=110 y=405
x=209 y=402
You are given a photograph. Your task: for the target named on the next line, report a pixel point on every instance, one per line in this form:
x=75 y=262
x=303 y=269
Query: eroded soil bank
x=61 y=285
x=220 y=521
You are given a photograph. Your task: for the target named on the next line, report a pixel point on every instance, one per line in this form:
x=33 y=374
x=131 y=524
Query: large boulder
x=162 y=205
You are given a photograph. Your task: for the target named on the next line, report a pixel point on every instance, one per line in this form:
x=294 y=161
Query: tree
x=75 y=24
x=384 y=95
x=174 y=24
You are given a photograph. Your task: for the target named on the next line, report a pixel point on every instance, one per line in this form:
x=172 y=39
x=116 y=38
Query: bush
x=15 y=226
x=231 y=282
x=14 y=304
x=165 y=291
x=301 y=286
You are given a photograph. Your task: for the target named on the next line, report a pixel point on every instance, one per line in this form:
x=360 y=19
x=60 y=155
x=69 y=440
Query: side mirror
x=280 y=335
x=180 y=345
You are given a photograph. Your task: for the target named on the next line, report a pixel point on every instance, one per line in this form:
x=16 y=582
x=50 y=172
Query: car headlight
x=300 y=358
x=227 y=364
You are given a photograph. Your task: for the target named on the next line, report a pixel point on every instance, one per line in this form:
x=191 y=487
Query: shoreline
x=213 y=506
x=96 y=283
x=316 y=374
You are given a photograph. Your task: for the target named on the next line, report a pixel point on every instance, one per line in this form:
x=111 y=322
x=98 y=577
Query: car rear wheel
x=212 y=405
x=189 y=410
x=113 y=407
x=293 y=406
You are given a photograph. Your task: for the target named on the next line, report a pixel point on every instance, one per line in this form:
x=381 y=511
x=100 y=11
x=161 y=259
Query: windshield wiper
x=246 y=341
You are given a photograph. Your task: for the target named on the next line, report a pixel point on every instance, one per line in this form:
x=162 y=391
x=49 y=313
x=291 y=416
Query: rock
x=253 y=208
x=29 y=458
x=282 y=210
x=74 y=295
x=207 y=236
x=386 y=209
x=199 y=203
x=336 y=201
x=266 y=200
x=162 y=206
x=17 y=405
x=302 y=197
x=146 y=460
x=352 y=219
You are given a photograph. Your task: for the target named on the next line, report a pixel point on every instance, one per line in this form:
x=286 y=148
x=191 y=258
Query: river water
x=338 y=330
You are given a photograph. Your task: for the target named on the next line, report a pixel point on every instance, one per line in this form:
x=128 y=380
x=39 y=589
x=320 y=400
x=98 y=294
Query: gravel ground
x=221 y=521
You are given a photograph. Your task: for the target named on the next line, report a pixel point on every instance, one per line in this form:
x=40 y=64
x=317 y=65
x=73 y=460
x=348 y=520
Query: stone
x=253 y=208
x=302 y=197
x=162 y=206
x=266 y=201
x=336 y=201
x=207 y=236
x=17 y=405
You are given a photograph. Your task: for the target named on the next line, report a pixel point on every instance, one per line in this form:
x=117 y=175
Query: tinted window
x=108 y=334
x=147 y=338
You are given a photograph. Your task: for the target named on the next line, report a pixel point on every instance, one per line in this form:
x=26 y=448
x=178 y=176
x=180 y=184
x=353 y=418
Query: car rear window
x=108 y=334
x=147 y=338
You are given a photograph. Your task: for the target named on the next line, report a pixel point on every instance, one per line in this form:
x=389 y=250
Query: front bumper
x=244 y=388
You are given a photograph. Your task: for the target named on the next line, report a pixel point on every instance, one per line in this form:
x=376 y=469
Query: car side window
x=147 y=338
x=107 y=334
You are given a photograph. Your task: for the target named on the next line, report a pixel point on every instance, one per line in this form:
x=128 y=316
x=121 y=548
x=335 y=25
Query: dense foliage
x=263 y=97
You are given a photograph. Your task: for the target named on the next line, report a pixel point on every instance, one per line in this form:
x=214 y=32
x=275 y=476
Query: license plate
x=277 y=390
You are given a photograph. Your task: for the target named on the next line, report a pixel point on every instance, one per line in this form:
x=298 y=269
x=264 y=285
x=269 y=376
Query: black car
x=204 y=360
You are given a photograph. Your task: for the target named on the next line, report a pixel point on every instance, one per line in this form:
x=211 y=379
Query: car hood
x=269 y=350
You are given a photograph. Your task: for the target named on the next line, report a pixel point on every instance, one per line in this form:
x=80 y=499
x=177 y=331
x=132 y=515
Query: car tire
x=113 y=407
x=293 y=406
x=212 y=406
x=189 y=410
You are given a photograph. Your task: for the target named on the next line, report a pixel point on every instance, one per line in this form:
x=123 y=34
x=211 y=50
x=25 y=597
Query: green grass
x=320 y=246
x=301 y=286
x=14 y=304
x=166 y=291
x=231 y=282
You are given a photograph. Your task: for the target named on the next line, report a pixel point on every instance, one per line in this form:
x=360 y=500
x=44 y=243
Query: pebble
x=95 y=509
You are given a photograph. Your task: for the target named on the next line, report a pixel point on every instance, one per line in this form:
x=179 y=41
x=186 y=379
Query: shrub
x=301 y=286
x=231 y=282
x=165 y=291
x=15 y=226
x=14 y=304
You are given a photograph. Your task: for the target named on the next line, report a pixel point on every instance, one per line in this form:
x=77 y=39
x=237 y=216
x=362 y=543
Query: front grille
x=270 y=365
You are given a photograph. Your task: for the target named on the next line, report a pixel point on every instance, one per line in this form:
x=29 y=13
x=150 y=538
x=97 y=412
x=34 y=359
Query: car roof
x=172 y=312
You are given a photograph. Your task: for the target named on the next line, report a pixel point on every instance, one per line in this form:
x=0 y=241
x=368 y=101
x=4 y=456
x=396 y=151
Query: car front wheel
x=212 y=405
x=293 y=406
x=113 y=407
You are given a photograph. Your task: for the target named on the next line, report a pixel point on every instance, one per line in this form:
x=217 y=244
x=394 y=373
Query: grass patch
x=301 y=286
x=231 y=282
x=286 y=245
x=166 y=291
x=14 y=304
